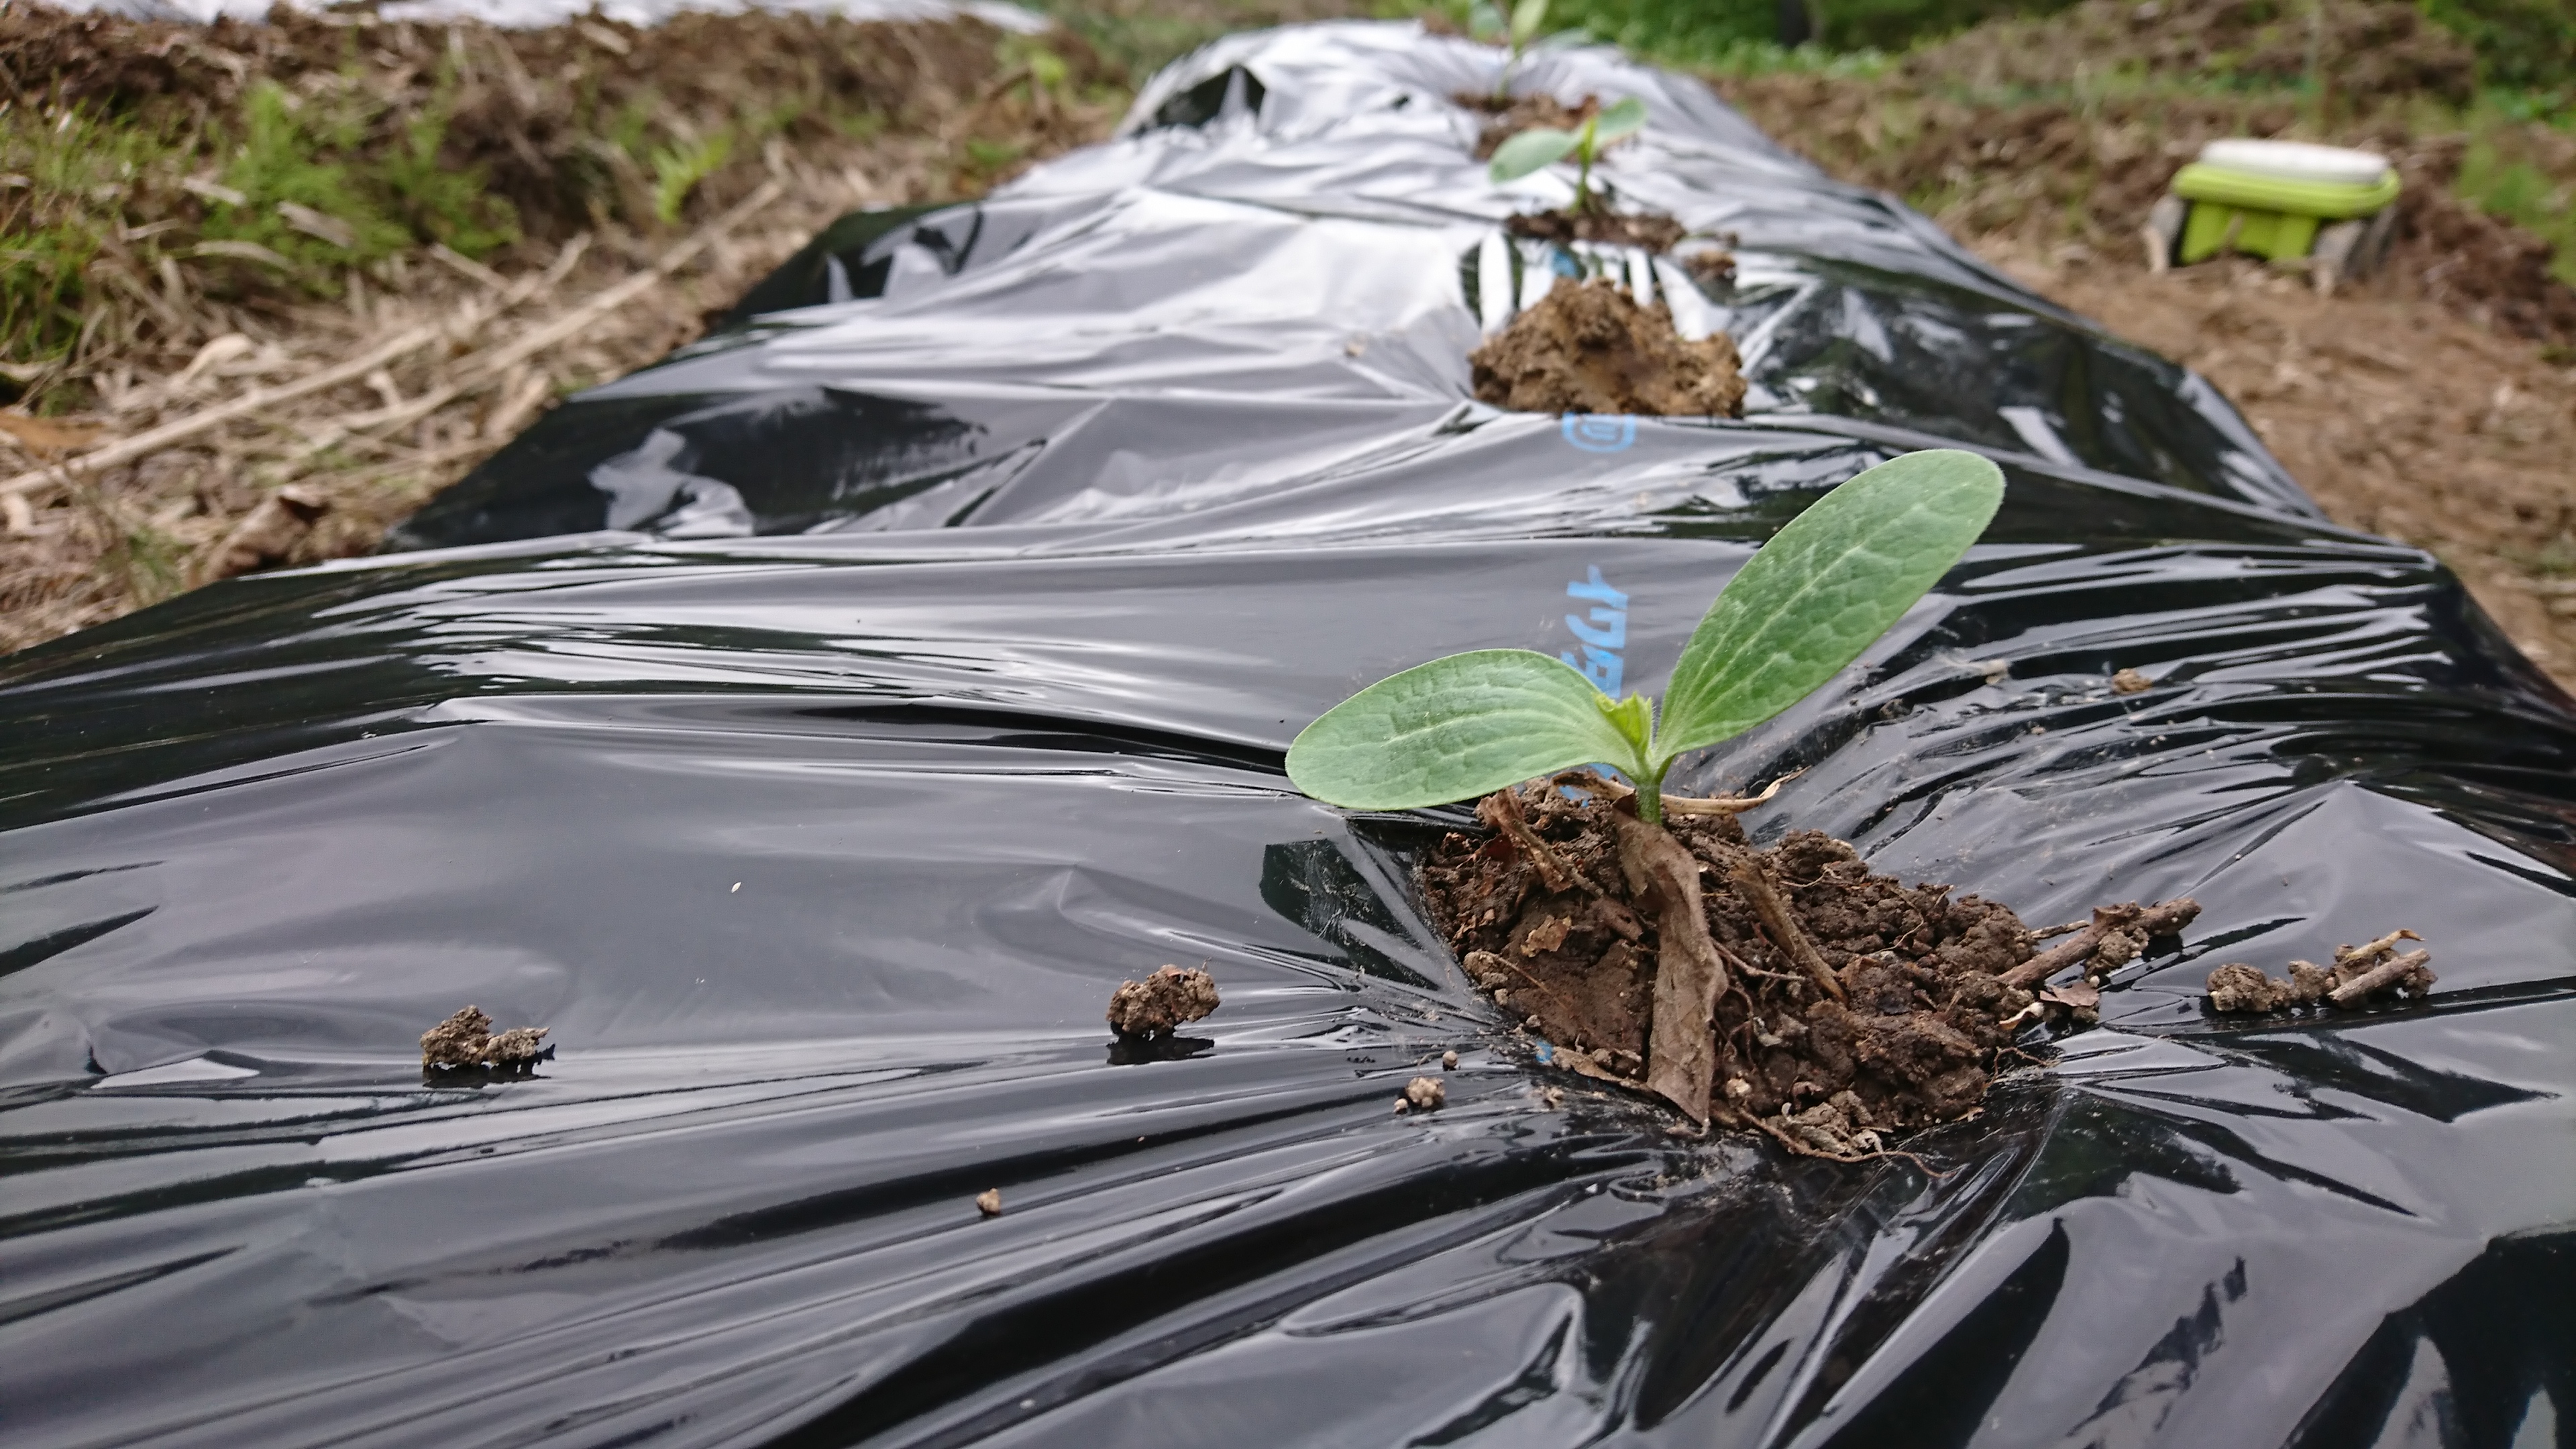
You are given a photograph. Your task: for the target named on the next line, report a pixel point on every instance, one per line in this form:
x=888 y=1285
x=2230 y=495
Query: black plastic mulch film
x=812 y=730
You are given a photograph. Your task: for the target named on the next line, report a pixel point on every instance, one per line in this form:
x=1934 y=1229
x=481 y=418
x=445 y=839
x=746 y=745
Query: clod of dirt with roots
x=1588 y=347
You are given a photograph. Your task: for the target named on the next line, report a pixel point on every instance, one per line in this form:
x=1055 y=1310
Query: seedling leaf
x=1530 y=150
x=1625 y=118
x=1527 y=17
x=1822 y=590
x=1458 y=727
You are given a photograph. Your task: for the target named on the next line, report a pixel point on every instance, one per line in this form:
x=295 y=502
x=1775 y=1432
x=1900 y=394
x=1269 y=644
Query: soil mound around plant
x=1914 y=1038
x=1652 y=230
x=1590 y=348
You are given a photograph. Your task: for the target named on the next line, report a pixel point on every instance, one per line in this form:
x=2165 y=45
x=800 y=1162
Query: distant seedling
x=1547 y=145
x=1822 y=590
x=1518 y=30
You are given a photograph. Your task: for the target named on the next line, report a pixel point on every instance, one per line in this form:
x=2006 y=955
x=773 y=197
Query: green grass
x=677 y=170
x=2521 y=44
x=285 y=158
x=1737 y=35
x=2498 y=176
x=87 y=200
x=63 y=175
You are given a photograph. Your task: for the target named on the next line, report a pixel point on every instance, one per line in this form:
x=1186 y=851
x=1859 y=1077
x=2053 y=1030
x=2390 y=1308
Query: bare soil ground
x=259 y=385
x=2396 y=414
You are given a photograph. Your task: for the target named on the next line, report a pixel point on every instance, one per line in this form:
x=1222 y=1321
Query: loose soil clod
x=989 y=1202
x=467 y=1040
x=2359 y=974
x=1162 y=1001
x=2114 y=938
x=1790 y=989
x=1423 y=1094
x=1589 y=348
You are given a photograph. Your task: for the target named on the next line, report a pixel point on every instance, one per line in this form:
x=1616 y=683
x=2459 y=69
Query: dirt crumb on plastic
x=989 y=1202
x=2374 y=971
x=1426 y=1094
x=467 y=1040
x=2130 y=681
x=1589 y=348
x=1448 y=1061
x=1712 y=266
x=1162 y=1001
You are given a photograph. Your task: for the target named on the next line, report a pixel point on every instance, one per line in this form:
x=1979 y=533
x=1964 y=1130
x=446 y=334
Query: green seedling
x=1519 y=30
x=1546 y=145
x=1809 y=601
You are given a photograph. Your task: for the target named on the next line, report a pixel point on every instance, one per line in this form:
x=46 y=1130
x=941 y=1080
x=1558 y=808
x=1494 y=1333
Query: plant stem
x=1650 y=797
x=1583 y=148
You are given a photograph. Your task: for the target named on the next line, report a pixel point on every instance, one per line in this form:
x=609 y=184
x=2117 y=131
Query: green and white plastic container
x=2281 y=200
x=2269 y=197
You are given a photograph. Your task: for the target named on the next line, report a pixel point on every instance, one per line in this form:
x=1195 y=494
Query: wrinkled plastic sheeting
x=532 y=14
x=813 y=730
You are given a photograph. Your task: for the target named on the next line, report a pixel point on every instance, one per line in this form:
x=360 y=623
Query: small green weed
x=285 y=160
x=64 y=180
x=677 y=170
x=435 y=202
x=987 y=159
x=1518 y=28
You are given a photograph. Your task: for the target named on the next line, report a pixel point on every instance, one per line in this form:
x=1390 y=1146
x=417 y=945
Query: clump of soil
x=1508 y=116
x=1154 y=1006
x=467 y=1040
x=1787 y=989
x=1710 y=266
x=2359 y=974
x=2116 y=936
x=1651 y=230
x=1424 y=1094
x=1589 y=348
